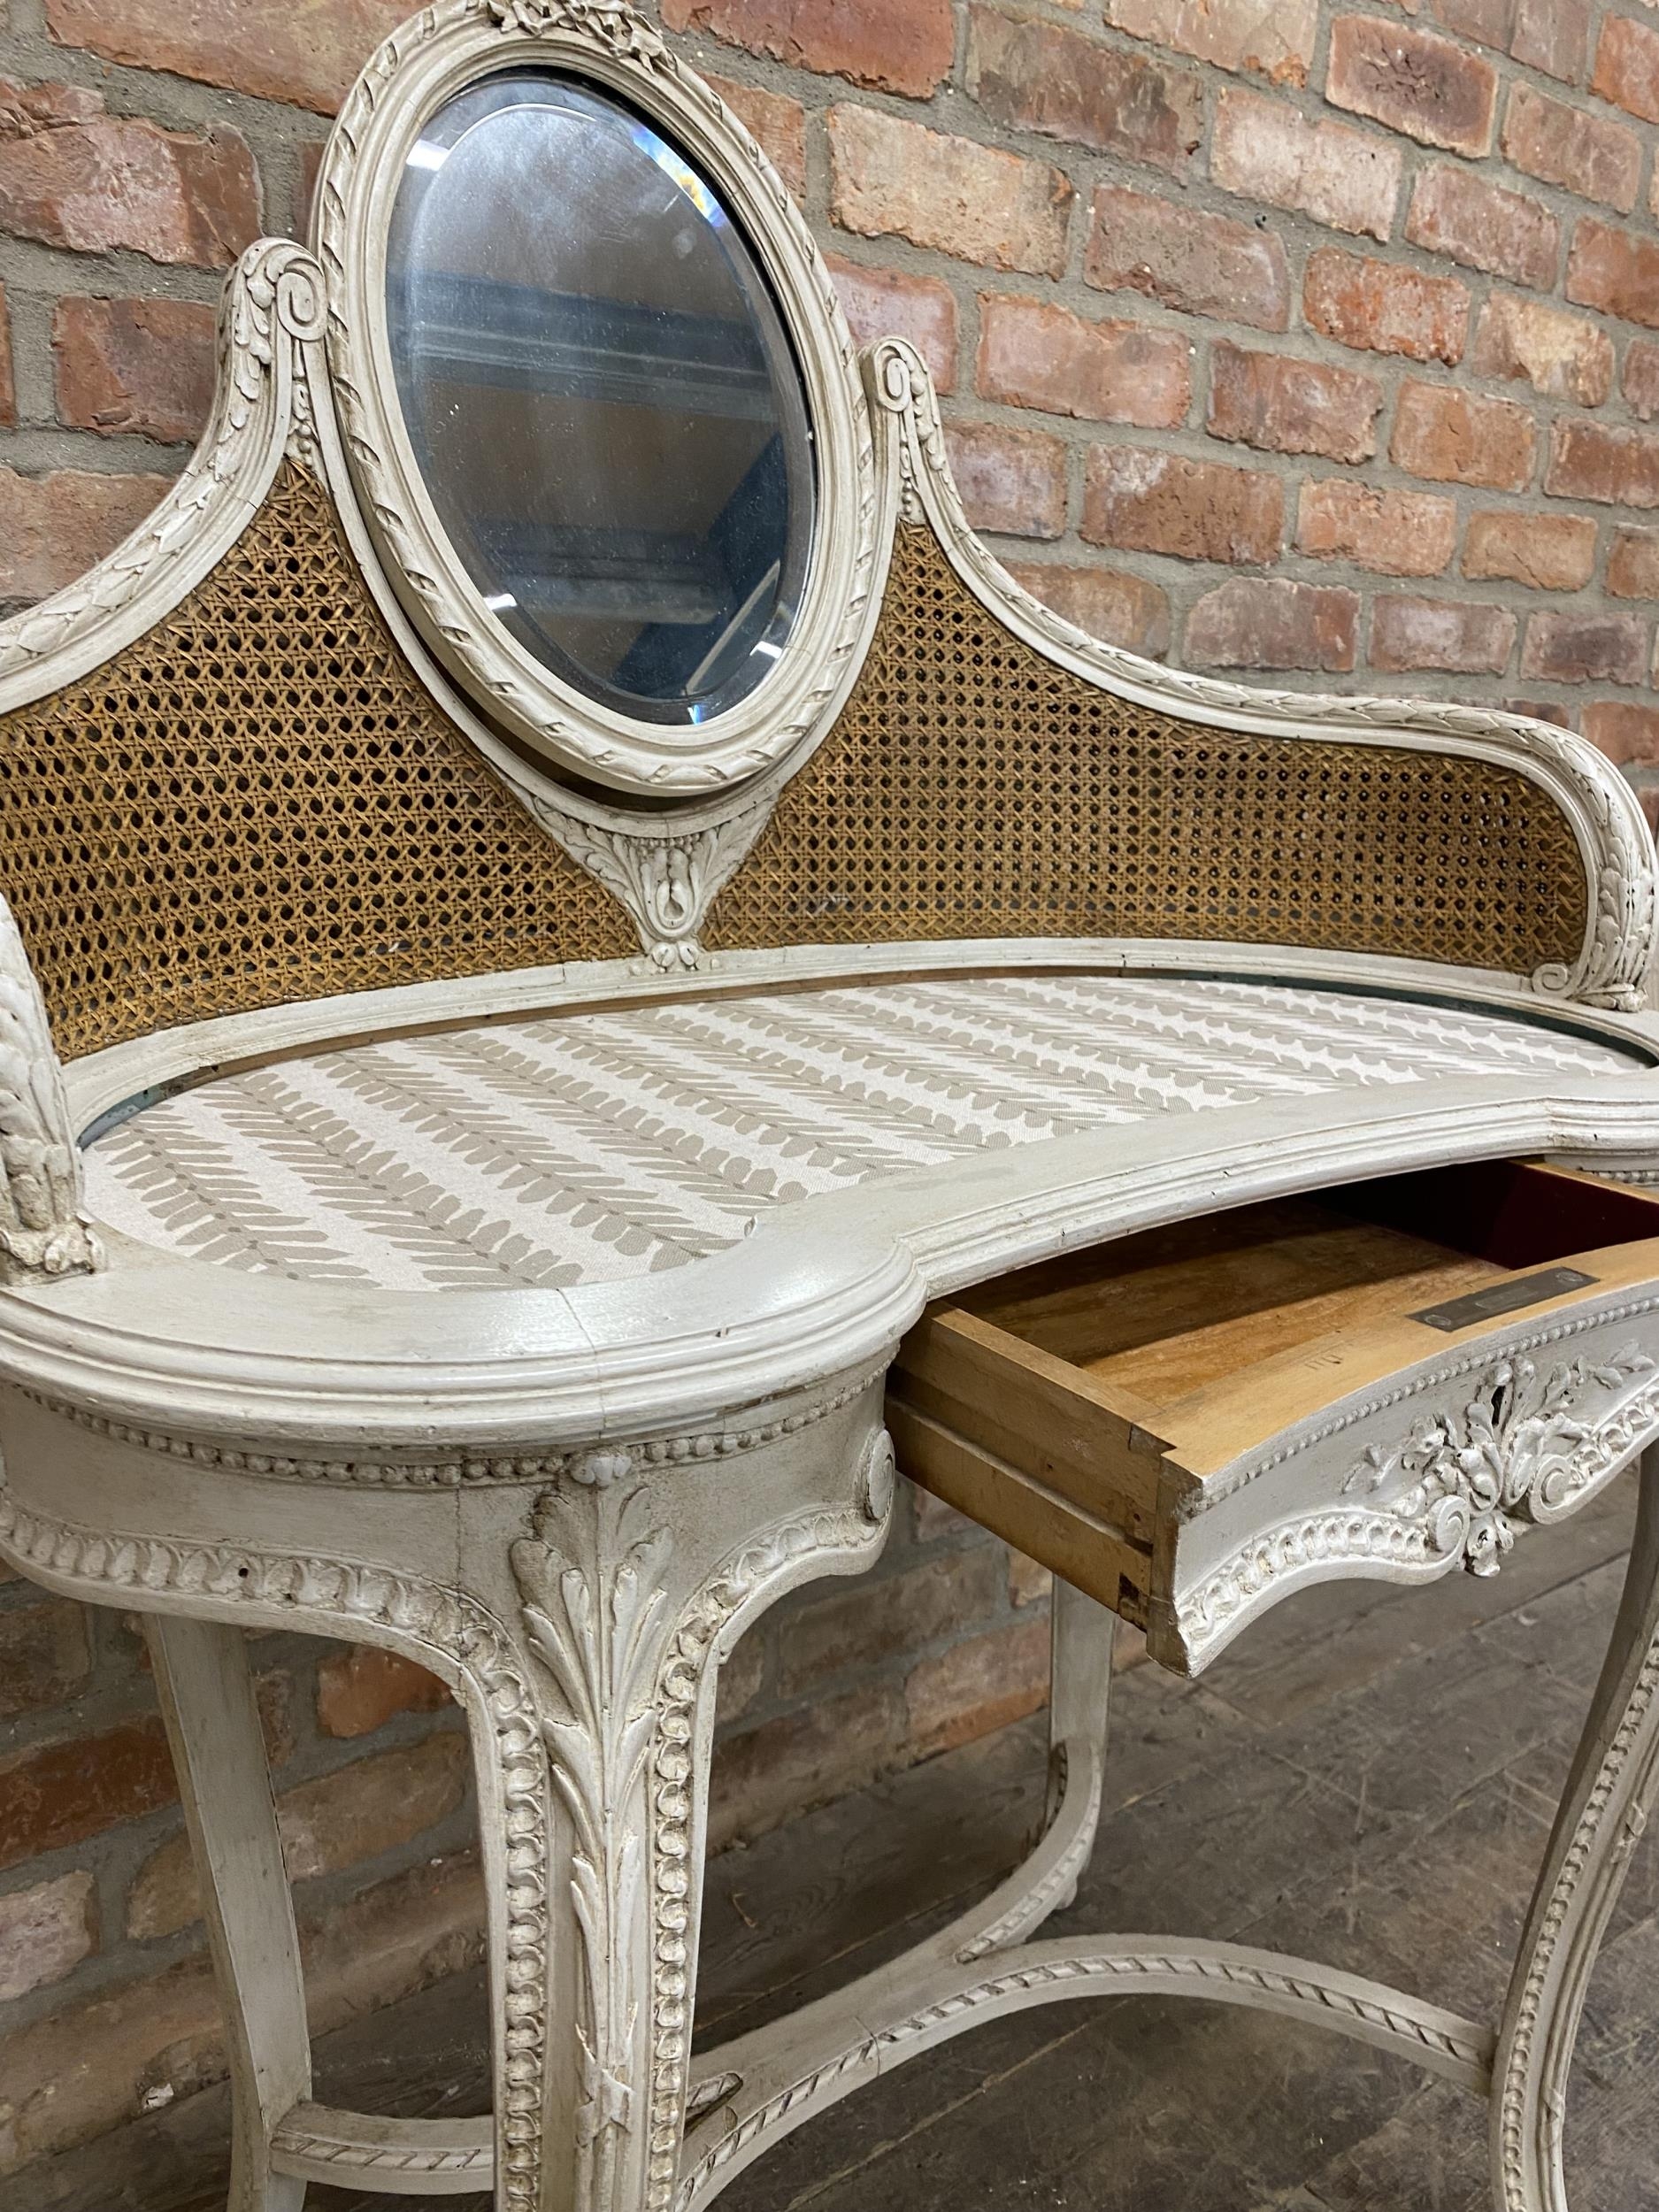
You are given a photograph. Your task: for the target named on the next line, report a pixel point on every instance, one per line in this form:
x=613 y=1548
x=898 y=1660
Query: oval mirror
x=601 y=396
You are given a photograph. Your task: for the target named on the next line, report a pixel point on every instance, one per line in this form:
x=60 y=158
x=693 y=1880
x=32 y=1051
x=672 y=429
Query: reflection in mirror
x=601 y=396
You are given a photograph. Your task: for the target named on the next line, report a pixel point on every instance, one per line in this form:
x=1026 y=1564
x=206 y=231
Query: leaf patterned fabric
x=591 y=1146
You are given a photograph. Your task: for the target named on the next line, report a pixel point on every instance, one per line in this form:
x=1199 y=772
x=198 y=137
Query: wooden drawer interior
x=1069 y=1406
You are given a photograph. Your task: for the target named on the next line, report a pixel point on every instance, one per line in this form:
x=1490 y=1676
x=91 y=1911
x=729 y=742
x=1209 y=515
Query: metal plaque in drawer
x=1482 y=1305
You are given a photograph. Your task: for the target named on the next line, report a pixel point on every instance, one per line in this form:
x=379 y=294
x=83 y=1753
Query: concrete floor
x=1367 y=1777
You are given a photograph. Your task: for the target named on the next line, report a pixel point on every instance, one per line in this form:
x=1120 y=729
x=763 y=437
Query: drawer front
x=1341 y=1420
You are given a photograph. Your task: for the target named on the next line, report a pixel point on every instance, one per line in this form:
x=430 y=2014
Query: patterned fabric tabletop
x=596 y=1146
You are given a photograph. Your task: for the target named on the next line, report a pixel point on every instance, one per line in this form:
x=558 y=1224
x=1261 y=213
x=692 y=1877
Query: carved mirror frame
x=421 y=66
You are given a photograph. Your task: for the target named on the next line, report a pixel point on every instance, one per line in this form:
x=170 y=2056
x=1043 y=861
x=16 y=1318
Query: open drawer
x=1153 y=1414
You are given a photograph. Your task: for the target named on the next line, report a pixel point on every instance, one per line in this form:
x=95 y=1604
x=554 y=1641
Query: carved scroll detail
x=43 y=1230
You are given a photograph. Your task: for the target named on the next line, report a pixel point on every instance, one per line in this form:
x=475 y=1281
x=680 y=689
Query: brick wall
x=1275 y=334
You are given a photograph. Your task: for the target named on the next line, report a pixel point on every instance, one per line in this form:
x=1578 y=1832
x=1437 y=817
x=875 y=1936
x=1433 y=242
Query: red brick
x=1587 y=154
x=1032 y=76
x=1398 y=534
x=1612 y=268
x=1273 y=38
x=1413 y=81
x=1011 y=480
x=907 y=48
x=1453 y=437
x=1553 y=35
x=142 y=367
x=932 y=1519
x=1267 y=150
x=1627 y=66
x=71 y=175
x=78 y=2071
x=52 y=527
x=307 y=169
x=883 y=303
x=44 y=1655
x=1547 y=552
x=1028 y=1584
x=1489 y=22
x=1542 y=711
x=867 y=1623
x=1269 y=622
x=1462 y=640
x=8 y=385
x=1641 y=379
x=45 y=1932
x=1379 y=308
x=1564 y=648
x=1480 y=223
x=802 y=1758
x=1123 y=610
x=890 y=177
x=59 y=1794
x=360 y=1689
x=1562 y=355
x=1285 y=405
x=1633 y=566
x=1159 y=502
x=977 y=1685
x=1624 y=732
x=277 y=50
x=334 y=1821
x=1187 y=258
x=1035 y=355
x=777 y=122
x=1593 y=460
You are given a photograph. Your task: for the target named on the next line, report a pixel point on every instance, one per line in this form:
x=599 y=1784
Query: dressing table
x=580 y=968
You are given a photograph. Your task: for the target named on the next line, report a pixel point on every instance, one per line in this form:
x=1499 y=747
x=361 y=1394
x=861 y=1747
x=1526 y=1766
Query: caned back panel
x=257 y=801
x=972 y=788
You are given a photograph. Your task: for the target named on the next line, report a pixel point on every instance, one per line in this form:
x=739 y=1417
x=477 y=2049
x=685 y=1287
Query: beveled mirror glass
x=601 y=396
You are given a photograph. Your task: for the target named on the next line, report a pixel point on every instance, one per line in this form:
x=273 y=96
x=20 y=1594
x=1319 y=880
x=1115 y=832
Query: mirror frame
x=421 y=66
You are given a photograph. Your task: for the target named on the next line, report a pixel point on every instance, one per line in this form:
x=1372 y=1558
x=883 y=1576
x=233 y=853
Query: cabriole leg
x=591 y=1682
x=207 y=1699
x=1080 y=1695
x=1602 y=1813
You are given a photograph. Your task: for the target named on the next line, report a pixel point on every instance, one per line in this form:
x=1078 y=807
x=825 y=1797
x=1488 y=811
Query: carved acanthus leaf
x=42 y=1231
x=667 y=880
x=591 y=1582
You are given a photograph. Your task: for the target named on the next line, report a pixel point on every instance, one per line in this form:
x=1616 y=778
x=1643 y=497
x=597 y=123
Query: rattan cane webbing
x=972 y=788
x=257 y=801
